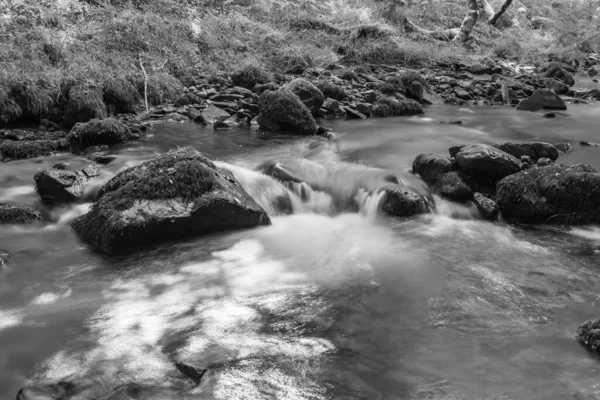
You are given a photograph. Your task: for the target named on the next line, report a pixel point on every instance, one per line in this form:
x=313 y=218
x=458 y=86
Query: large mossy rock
x=485 y=163
x=58 y=186
x=15 y=214
x=310 y=95
x=588 y=333
x=22 y=149
x=535 y=150
x=557 y=71
x=282 y=109
x=542 y=99
x=178 y=194
x=97 y=132
x=557 y=194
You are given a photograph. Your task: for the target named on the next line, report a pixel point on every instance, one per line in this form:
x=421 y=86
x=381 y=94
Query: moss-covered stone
x=14 y=214
x=310 y=95
x=98 y=132
x=556 y=194
x=391 y=107
x=249 y=76
x=454 y=186
x=414 y=83
x=178 y=194
x=556 y=70
x=331 y=91
x=431 y=166
x=282 y=109
x=22 y=149
x=588 y=333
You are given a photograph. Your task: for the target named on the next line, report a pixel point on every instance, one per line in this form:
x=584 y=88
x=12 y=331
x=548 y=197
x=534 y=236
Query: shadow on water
x=319 y=304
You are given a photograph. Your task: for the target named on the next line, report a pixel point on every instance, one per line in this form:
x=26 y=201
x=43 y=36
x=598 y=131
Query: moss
x=33 y=98
x=392 y=85
x=390 y=107
x=17 y=150
x=162 y=88
x=120 y=95
x=331 y=91
x=249 y=76
x=13 y=214
x=55 y=54
x=313 y=25
x=310 y=95
x=284 y=109
x=97 y=132
x=84 y=103
x=414 y=83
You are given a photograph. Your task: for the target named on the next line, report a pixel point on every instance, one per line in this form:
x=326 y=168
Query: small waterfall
x=455 y=210
x=311 y=200
x=370 y=203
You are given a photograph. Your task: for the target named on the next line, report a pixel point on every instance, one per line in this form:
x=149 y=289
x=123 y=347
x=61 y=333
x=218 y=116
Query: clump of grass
x=414 y=83
x=84 y=103
x=9 y=109
x=390 y=107
x=293 y=63
x=55 y=54
x=33 y=98
x=392 y=85
x=162 y=88
x=506 y=48
x=120 y=95
x=249 y=76
x=372 y=32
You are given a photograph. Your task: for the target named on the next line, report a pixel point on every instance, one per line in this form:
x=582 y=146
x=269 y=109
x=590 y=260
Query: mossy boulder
x=391 y=107
x=15 y=214
x=177 y=194
x=431 y=167
x=588 y=334
x=332 y=91
x=542 y=99
x=414 y=84
x=557 y=194
x=310 y=95
x=22 y=149
x=59 y=186
x=249 y=76
x=485 y=163
x=282 y=109
x=557 y=71
x=454 y=186
x=85 y=102
x=98 y=132
x=535 y=150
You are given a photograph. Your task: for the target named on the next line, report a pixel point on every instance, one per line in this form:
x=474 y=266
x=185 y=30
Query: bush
x=506 y=47
x=84 y=103
x=9 y=109
x=120 y=95
x=187 y=99
x=392 y=85
x=162 y=88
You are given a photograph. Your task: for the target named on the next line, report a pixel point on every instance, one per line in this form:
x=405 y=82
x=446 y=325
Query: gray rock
x=331 y=105
x=97 y=132
x=486 y=163
x=364 y=108
x=212 y=114
x=282 y=109
x=487 y=207
x=178 y=194
x=544 y=162
x=535 y=150
x=453 y=186
x=14 y=214
x=542 y=99
x=56 y=186
x=431 y=167
x=565 y=147
x=310 y=95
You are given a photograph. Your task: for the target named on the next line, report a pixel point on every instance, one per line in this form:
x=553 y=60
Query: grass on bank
x=83 y=57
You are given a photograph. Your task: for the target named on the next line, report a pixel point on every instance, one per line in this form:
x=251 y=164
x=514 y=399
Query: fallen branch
x=145 y=83
x=500 y=12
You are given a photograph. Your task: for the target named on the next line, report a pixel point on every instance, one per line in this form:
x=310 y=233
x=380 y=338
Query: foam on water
x=592 y=233
x=370 y=203
x=49 y=298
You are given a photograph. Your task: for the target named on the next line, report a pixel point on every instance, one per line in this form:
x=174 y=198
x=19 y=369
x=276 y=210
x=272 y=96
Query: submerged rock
x=56 y=186
x=557 y=194
x=282 y=109
x=178 y=194
x=486 y=163
x=15 y=214
x=96 y=132
x=310 y=95
x=542 y=98
x=589 y=334
x=487 y=207
x=535 y=150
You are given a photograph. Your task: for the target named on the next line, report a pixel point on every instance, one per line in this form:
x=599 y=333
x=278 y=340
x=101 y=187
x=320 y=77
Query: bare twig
x=145 y=83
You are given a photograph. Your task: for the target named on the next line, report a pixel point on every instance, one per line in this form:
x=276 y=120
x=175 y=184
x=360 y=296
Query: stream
x=321 y=304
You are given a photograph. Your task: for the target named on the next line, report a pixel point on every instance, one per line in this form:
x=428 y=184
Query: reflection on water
x=317 y=305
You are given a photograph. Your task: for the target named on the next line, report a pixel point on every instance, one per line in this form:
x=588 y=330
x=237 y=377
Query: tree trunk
x=486 y=11
x=468 y=23
x=500 y=12
x=446 y=34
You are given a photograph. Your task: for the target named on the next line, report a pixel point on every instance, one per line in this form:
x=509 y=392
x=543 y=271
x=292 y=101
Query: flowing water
x=328 y=302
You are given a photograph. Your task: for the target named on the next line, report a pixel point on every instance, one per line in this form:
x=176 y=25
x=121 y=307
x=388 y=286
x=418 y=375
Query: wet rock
x=462 y=93
x=565 y=147
x=194 y=373
x=57 y=186
x=486 y=163
x=557 y=70
x=544 y=162
x=526 y=159
x=391 y=107
x=17 y=150
x=487 y=207
x=588 y=334
x=370 y=96
x=431 y=167
x=542 y=99
x=403 y=203
x=331 y=105
x=364 y=108
x=4 y=258
x=535 y=150
x=549 y=115
x=332 y=91
x=557 y=194
x=178 y=194
x=481 y=69
x=95 y=132
x=589 y=144
x=213 y=114
x=453 y=186
x=282 y=109
x=556 y=86
x=353 y=113
x=14 y=214
x=593 y=71
x=310 y=95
